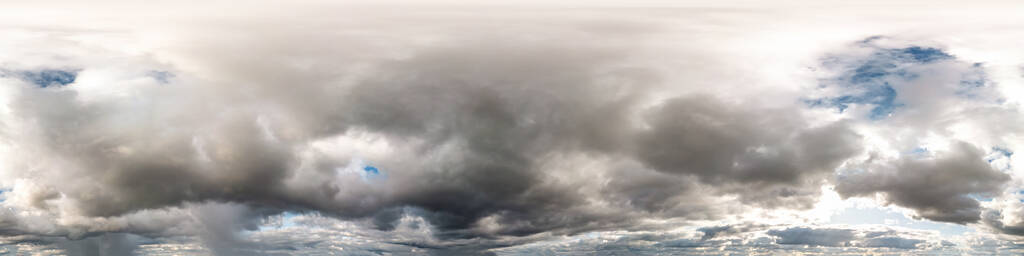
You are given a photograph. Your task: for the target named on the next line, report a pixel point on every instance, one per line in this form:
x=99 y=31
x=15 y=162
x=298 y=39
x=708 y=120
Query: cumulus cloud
x=939 y=188
x=771 y=158
x=995 y=219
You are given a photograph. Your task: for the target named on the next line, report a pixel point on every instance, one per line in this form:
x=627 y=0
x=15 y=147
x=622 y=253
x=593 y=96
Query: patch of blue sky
x=872 y=81
x=979 y=197
x=867 y=84
x=371 y=170
x=882 y=216
x=286 y=221
x=883 y=98
x=919 y=152
x=1002 y=151
x=922 y=54
x=49 y=77
x=1000 y=158
x=871 y=72
x=371 y=173
x=366 y=171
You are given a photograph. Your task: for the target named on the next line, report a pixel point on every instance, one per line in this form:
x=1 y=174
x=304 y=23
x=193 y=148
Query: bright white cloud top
x=457 y=128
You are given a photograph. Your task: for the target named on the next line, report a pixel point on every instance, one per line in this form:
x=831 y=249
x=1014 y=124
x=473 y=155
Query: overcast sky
x=500 y=128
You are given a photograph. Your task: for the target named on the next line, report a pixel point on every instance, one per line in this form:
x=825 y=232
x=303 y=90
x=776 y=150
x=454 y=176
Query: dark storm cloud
x=941 y=188
x=656 y=193
x=502 y=110
x=767 y=157
x=465 y=97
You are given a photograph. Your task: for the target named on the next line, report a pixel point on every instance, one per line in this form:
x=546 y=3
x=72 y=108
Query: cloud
x=771 y=158
x=938 y=188
x=487 y=144
x=995 y=219
x=892 y=242
x=106 y=244
x=748 y=239
x=810 y=236
x=492 y=130
x=99 y=152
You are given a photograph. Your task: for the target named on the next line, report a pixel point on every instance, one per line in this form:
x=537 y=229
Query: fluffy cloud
x=939 y=188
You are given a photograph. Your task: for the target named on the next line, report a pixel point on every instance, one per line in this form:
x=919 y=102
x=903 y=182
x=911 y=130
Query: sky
x=511 y=128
